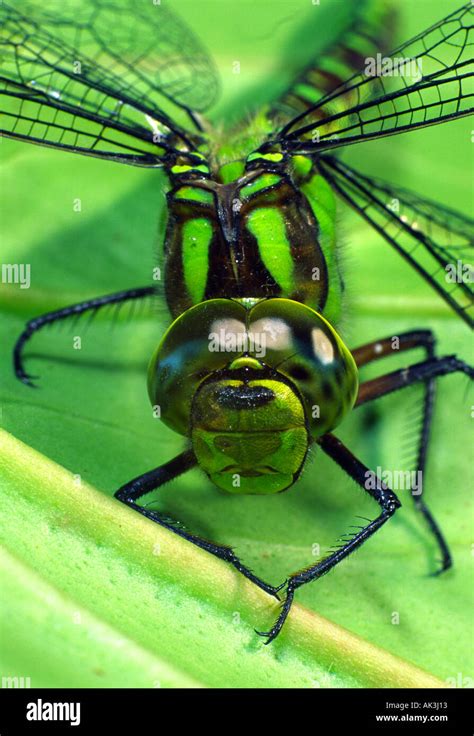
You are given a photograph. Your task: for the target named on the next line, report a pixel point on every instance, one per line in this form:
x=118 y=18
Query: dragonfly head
x=252 y=383
x=249 y=429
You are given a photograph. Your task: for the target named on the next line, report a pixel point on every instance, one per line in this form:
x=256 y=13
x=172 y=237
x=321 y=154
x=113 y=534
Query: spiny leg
x=72 y=311
x=387 y=501
x=423 y=371
x=132 y=491
x=379 y=349
x=427 y=372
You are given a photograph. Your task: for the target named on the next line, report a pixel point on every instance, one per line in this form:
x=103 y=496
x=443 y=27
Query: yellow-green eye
x=289 y=339
x=201 y=341
x=300 y=344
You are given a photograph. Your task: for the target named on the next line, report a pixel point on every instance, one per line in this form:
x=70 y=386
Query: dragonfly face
x=248 y=429
x=252 y=382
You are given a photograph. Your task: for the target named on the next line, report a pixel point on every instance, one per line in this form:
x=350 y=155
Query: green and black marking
x=259 y=236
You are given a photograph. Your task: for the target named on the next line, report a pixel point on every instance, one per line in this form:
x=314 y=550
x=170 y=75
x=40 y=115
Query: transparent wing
x=369 y=28
x=437 y=241
x=425 y=81
x=114 y=80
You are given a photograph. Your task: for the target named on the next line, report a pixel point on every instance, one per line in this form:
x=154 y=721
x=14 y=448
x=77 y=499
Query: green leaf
x=123 y=602
x=90 y=599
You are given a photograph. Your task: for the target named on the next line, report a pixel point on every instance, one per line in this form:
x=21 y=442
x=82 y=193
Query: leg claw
x=268 y=634
x=444 y=567
x=27 y=379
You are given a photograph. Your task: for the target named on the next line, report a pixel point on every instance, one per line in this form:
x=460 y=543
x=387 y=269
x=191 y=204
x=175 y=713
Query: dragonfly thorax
x=252 y=383
x=258 y=235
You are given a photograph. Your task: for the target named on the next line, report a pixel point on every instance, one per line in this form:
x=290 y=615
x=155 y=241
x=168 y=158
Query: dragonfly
x=252 y=371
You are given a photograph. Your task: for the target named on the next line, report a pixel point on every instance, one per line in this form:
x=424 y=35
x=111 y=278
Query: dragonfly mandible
x=252 y=371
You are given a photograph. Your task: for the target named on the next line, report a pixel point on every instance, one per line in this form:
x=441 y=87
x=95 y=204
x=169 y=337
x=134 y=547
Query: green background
x=91 y=415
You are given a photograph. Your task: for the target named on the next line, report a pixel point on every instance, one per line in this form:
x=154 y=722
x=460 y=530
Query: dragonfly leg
x=372 y=485
x=416 y=373
x=408 y=341
x=72 y=311
x=132 y=491
x=425 y=372
x=379 y=349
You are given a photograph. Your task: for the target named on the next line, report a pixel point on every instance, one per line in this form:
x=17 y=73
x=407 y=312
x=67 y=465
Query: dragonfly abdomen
x=369 y=31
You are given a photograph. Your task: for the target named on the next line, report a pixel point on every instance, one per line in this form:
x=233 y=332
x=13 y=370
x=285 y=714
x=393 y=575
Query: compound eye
x=304 y=347
x=299 y=373
x=325 y=348
x=202 y=340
